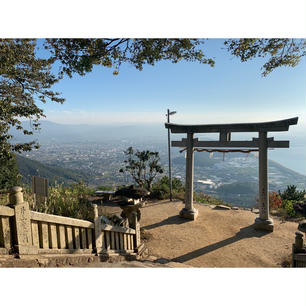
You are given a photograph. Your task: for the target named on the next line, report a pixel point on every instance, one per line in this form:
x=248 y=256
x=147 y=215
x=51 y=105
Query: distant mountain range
x=28 y=168
x=293 y=158
x=59 y=133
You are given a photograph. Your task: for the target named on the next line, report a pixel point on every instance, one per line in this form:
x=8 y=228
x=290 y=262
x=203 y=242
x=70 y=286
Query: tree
x=143 y=166
x=9 y=175
x=26 y=77
x=80 y=55
x=25 y=80
x=280 y=51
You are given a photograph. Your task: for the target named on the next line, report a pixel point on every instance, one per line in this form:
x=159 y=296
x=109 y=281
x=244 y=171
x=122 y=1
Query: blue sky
x=229 y=92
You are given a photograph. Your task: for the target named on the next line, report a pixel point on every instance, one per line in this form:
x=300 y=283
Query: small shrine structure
x=261 y=144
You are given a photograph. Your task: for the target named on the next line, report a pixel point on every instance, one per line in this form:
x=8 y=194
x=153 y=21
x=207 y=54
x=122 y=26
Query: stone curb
x=45 y=261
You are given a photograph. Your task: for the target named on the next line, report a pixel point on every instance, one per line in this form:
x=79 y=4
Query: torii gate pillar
x=189 y=211
x=264 y=222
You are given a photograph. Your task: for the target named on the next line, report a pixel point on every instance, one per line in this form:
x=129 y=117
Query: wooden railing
x=29 y=232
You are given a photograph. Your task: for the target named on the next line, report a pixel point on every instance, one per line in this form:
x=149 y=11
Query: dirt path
x=218 y=238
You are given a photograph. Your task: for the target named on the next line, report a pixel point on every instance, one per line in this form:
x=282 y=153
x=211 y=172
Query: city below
x=232 y=178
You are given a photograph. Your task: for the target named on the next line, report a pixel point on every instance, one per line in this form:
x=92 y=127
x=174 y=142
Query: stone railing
x=116 y=238
x=299 y=248
x=61 y=235
x=28 y=232
x=5 y=229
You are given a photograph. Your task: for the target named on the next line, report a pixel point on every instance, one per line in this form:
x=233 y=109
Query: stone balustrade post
x=98 y=230
x=137 y=229
x=298 y=247
x=299 y=243
x=22 y=229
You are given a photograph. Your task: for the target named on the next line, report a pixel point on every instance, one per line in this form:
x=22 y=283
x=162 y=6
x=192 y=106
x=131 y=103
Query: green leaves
x=143 y=166
x=24 y=80
x=291 y=193
x=278 y=51
x=80 y=55
x=9 y=176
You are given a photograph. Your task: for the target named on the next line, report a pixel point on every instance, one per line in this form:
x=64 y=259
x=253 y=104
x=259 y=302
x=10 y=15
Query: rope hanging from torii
x=222 y=150
x=211 y=151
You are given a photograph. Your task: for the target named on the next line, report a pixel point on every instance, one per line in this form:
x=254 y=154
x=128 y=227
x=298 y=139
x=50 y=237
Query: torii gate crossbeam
x=262 y=143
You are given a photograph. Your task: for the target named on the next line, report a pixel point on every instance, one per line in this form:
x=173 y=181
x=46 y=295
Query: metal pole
x=169 y=155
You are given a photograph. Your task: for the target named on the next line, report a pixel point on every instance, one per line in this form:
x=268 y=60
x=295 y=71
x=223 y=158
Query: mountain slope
x=28 y=168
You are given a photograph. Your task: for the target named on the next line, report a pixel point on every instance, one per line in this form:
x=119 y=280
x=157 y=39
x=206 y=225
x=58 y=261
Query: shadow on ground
x=168 y=221
x=244 y=233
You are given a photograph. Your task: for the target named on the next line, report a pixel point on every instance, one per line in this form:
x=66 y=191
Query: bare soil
x=217 y=238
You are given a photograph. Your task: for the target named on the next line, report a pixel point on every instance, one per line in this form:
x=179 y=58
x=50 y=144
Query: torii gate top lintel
x=272 y=126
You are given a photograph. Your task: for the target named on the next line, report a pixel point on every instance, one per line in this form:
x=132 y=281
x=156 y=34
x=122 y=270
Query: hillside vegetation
x=28 y=168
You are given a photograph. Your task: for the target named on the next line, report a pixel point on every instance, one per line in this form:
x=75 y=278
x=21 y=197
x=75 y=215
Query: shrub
x=69 y=201
x=4 y=197
x=292 y=194
x=161 y=188
x=104 y=188
x=287 y=205
x=207 y=199
x=275 y=200
x=286 y=202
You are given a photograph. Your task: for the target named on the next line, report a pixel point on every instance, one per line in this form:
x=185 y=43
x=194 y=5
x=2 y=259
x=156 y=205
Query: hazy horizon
x=293 y=157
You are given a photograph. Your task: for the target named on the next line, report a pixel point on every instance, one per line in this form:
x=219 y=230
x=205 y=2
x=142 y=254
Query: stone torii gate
x=262 y=143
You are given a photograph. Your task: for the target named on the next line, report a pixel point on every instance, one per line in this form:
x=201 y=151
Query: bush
x=292 y=194
x=207 y=199
x=105 y=188
x=287 y=205
x=4 y=197
x=69 y=201
x=275 y=200
x=161 y=188
x=286 y=202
